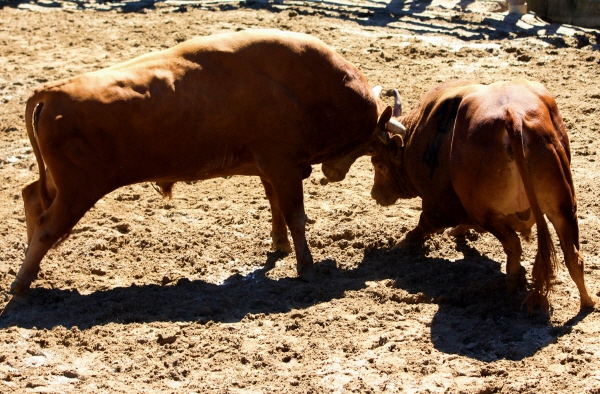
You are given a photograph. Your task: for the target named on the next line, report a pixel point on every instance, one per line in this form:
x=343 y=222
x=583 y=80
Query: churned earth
x=184 y=295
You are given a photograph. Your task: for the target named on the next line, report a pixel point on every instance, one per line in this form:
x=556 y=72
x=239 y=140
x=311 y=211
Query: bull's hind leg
x=32 y=200
x=33 y=207
x=278 y=228
x=565 y=224
x=515 y=272
x=57 y=221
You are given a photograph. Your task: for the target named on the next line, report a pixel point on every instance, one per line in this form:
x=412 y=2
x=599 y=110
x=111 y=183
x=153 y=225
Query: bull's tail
x=164 y=188
x=32 y=116
x=545 y=264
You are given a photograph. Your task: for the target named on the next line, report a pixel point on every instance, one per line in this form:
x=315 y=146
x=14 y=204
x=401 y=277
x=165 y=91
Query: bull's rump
x=209 y=106
x=484 y=172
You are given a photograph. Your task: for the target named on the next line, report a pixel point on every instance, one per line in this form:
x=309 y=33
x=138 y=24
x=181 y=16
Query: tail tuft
x=164 y=188
x=544 y=268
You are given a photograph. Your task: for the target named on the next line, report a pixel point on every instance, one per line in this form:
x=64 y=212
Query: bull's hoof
x=306 y=268
x=282 y=245
x=458 y=231
x=407 y=241
x=589 y=303
x=516 y=281
x=332 y=174
x=19 y=286
x=307 y=272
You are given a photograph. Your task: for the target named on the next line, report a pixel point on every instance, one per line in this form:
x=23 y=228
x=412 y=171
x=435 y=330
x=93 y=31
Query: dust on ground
x=184 y=295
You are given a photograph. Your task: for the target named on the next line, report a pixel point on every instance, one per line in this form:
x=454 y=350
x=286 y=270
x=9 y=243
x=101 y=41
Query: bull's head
x=387 y=157
x=387 y=124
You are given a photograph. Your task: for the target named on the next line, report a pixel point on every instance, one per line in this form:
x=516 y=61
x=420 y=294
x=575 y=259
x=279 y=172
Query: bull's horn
x=377 y=91
x=397 y=104
x=396 y=127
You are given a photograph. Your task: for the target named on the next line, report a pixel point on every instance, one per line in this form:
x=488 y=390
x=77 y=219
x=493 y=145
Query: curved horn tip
x=397 y=104
x=377 y=91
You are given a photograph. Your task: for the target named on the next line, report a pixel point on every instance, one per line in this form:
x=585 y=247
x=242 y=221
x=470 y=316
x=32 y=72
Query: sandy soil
x=151 y=295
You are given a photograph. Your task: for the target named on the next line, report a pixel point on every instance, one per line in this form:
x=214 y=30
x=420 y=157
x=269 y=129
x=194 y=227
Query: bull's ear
x=384 y=117
x=380 y=130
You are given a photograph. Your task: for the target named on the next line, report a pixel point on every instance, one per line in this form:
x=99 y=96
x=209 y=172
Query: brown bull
x=263 y=102
x=495 y=158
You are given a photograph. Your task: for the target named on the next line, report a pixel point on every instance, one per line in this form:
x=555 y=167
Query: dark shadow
x=477 y=317
x=129 y=6
x=11 y=3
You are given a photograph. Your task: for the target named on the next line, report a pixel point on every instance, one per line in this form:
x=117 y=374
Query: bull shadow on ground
x=476 y=316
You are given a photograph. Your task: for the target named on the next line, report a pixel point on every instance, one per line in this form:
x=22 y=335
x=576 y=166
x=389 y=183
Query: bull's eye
x=381 y=168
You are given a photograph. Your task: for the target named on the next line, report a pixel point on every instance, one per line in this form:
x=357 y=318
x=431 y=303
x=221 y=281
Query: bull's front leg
x=287 y=189
x=278 y=228
x=430 y=222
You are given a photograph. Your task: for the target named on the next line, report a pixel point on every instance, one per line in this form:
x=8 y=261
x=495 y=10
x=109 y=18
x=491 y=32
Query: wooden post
x=517 y=7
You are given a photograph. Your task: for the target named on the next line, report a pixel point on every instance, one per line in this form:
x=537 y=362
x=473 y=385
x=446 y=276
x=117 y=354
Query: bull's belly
x=182 y=167
x=204 y=173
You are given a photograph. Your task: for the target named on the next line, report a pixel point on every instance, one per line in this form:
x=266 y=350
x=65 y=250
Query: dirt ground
x=184 y=296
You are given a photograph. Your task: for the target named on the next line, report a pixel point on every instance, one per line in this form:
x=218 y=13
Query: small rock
x=70 y=374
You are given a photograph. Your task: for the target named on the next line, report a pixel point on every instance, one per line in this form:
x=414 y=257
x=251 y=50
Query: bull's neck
x=401 y=172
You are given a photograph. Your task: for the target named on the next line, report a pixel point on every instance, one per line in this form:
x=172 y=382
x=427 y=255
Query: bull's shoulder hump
x=444 y=98
x=234 y=42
